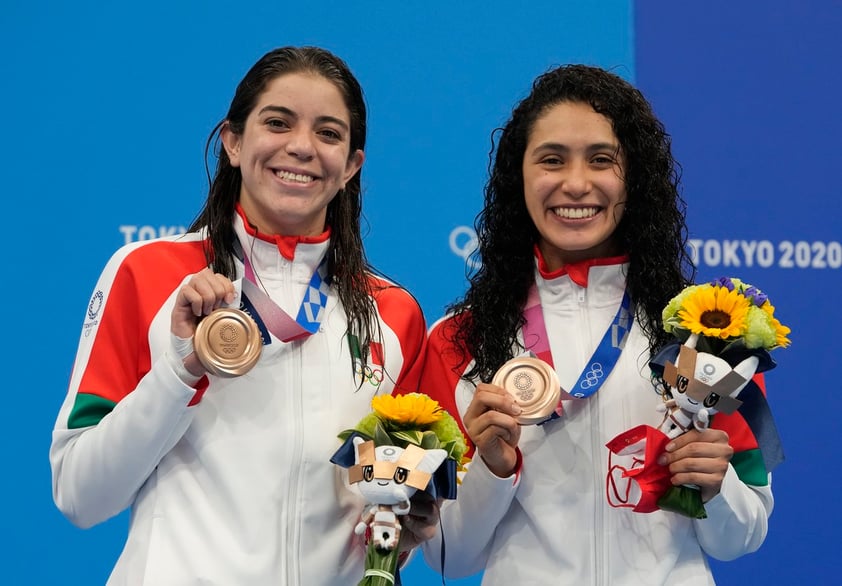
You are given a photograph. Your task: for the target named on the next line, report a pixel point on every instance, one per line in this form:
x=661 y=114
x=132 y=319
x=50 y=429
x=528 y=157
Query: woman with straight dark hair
x=216 y=368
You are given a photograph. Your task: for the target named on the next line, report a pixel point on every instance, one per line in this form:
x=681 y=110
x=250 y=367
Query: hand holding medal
x=226 y=341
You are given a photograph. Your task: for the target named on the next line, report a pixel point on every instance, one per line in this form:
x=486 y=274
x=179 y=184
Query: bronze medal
x=534 y=385
x=227 y=342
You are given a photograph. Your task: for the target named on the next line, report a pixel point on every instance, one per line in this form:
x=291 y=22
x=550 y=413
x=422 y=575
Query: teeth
x=294 y=177
x=576 y=213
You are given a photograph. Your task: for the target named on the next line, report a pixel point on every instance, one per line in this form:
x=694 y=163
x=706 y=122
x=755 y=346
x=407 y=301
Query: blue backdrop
x=107 y=109
x=750 y=92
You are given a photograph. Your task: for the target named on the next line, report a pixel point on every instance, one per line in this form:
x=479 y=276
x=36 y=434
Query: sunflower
x=715 y=312
x=414 y=418
x=414 y=409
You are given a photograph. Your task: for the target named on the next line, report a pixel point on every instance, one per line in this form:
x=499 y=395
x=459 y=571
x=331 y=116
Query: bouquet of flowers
x=407 y=443
x=724 y=331
x=728 y=315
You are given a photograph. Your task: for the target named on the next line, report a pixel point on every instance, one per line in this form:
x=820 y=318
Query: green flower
x=760 y=333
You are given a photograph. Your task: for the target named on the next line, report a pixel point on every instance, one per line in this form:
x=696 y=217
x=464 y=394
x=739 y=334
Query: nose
x=300 y=144
x=577 y=181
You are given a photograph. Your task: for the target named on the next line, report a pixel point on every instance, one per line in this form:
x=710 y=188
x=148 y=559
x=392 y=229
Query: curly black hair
x=652 y=230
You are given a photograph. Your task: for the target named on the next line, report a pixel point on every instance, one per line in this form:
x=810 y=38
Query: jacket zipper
x=294 y=516
x=593 y=408
x=292 y=512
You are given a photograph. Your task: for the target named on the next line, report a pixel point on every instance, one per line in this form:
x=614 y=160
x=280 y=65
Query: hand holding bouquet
x=407 y=443
x=724 y=331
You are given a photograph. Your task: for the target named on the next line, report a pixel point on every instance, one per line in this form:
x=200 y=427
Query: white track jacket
x=228 y=483
x=552 y=523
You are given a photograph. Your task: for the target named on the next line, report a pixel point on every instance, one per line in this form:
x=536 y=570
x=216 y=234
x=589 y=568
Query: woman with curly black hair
x=582 y=242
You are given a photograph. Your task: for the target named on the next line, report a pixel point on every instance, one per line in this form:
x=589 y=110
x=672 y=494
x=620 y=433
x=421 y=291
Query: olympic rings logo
x=464 y=244
x=374 y=376
x=592 y=377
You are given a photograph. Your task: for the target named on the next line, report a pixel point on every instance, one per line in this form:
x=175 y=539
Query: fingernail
x=662 y=460
x=516 y=410
x=670 y=447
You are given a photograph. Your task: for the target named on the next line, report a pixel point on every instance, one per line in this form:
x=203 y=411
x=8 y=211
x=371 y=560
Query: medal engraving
x=534 y=385
x=227 y=342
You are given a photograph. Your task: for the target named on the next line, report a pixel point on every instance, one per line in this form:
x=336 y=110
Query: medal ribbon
x=279 y=322
x=604 y=358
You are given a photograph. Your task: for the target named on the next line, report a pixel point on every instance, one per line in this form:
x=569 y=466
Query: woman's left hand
x=699 y=458
x=419 y=525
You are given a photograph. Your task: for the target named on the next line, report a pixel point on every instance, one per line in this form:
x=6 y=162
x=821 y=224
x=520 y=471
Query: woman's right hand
x=204 y=292
x=491 y=425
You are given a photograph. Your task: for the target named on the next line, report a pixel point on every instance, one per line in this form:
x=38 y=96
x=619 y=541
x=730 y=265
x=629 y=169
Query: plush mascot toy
x=700 y=385
x=387 y=477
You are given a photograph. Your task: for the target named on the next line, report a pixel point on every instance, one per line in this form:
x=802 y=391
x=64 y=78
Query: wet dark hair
x=347 y=266
x=652 y=230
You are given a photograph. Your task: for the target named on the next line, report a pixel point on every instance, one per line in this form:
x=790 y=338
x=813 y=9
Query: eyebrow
x=288 y=112
x=559 y=147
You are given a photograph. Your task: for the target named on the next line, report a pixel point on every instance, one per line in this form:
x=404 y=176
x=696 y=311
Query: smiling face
x=573 y=171
x=293 y=154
